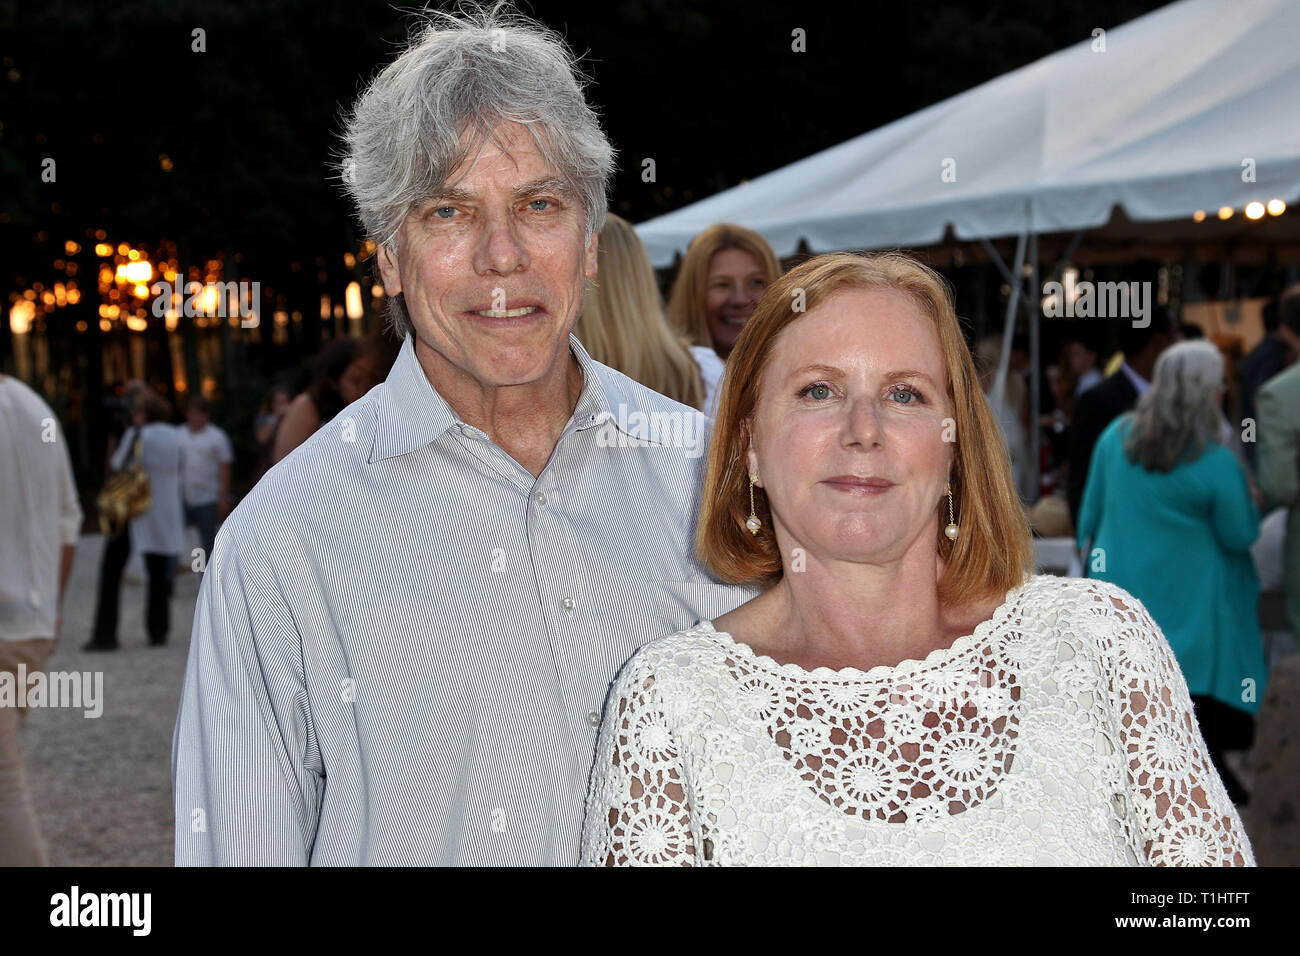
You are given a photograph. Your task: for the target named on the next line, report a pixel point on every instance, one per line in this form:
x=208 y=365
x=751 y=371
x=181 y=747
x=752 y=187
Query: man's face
x=197 y=419
x=493 y=268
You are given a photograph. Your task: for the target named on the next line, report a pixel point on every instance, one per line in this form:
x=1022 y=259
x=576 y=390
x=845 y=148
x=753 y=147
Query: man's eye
x=445 y=212
x=818 y=391
x=539 y=205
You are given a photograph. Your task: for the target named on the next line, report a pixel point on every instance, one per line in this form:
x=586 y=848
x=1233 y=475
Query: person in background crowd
x=1277 y=459
x=40 y=519
x=1266 y=359
x=1102 y=404
x=158 y=533
x=265 y=426
x=1080 y=358
x=722 y=277
x=1168 y=515
x=346 y=369
x=1005 y=411
x=205 y=472
x=623 y=326
x=1187 y=331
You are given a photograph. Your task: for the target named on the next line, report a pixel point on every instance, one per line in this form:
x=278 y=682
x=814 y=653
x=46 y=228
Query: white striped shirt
x=404 y=641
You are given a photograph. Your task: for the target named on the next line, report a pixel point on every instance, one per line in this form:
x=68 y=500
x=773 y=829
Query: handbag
x=125 y=495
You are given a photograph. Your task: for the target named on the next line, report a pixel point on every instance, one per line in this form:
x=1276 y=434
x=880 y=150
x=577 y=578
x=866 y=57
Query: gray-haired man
x=404 y=640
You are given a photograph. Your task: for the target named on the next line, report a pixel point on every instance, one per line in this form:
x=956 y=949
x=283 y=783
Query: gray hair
x=1179 y=416
x=434 y=106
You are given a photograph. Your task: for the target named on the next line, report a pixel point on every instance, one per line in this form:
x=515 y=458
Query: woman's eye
x=818 y=391
x=906 y=395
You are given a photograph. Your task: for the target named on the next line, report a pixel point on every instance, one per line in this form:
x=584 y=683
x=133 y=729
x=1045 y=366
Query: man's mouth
x=507 y=313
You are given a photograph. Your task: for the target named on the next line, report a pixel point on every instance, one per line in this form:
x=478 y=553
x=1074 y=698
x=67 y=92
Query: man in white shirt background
x=40 y=518
x=206 y=455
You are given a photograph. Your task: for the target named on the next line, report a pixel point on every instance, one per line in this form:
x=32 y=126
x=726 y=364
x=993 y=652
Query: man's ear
x=589 y=255
x=388 y=271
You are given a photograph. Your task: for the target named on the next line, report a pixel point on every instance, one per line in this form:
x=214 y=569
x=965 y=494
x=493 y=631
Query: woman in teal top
x=1170 y=518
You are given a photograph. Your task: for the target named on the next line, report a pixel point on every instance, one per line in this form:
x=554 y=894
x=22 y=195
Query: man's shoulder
x=310 y=476
x=26 y=398
x=1283 y=387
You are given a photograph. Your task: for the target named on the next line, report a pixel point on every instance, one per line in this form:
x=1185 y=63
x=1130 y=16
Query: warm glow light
x=1276 y=207
x=1225 y=212
x=105 y=325
x=324 y=307
x=71 y=248
x=134 y=272
x=74 y=296
x=1198 y=216
x=103 y=249
x=133 y=255
x=352 y=296
x=349 y=260
x=141 y=291
x=21 y=315
x=123 y=248
x=209 y=300
x=136 y=324
x=1255 y=210
x=377 y=291
x=281 y=317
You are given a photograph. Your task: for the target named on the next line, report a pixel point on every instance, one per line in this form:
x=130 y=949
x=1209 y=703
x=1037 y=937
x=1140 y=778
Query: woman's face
x=849 y=430
x=735 y=283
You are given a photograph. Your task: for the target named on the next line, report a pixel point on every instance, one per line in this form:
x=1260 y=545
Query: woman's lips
x=855 y=485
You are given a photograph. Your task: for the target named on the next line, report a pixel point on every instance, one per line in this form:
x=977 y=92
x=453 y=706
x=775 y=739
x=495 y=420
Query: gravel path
x=102 y=786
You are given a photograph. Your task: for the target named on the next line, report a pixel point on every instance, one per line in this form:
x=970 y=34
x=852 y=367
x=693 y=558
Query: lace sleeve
x=1184 y=810
x=637 y=809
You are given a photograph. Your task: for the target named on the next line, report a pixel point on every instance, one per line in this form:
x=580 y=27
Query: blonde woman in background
x=622 y=323
x=724 y=274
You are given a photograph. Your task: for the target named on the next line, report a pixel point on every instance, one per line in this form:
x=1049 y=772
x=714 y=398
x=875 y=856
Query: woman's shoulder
x=1074 y=603
x=668 y=661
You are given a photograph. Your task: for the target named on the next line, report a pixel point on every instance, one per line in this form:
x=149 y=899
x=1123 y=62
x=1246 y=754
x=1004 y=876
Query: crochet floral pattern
x=1060 y=732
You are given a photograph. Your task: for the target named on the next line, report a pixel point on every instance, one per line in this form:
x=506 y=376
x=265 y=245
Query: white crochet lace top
x=1060 y=732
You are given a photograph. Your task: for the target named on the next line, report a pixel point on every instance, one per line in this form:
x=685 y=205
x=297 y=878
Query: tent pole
x=1008 y=330
x=1035 y=369
x=997 y=260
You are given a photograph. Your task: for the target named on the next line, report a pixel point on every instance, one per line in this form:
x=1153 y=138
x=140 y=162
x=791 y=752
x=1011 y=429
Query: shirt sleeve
x=1278 y=451
x=123 y=449
x=247 y=777
x=1234 y=515
x=70 y=514
x=638 y=813
x=225 y=451
x=1185 y=815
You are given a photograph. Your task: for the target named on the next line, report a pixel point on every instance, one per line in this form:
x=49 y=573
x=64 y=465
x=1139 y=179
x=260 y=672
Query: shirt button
x=540 y=498
x=594 y=719
x=567 y=604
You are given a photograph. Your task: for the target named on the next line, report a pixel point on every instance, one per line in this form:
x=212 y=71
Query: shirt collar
x=411 y=413
x=1139 y=383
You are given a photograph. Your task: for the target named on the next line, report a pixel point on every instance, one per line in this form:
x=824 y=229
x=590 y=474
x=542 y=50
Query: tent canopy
x=1179 y=112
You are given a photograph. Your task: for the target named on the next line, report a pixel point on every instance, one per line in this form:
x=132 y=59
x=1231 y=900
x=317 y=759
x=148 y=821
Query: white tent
x=1192 y=107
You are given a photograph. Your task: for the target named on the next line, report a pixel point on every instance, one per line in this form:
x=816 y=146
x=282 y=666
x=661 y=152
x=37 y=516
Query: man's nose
x=500 y=249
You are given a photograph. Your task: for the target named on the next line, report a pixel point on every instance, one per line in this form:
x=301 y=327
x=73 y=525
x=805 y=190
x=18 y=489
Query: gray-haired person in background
x=407 y=633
